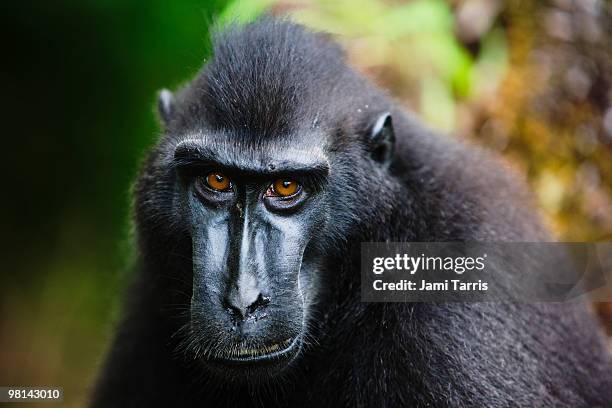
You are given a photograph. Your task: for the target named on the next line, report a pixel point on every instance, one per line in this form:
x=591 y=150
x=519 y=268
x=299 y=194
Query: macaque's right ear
x=165 y=106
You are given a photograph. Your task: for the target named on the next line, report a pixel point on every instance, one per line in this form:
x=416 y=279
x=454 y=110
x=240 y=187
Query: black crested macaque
x=275 y=163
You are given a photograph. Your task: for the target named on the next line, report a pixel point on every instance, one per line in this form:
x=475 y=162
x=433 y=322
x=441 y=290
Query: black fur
x=275 y=82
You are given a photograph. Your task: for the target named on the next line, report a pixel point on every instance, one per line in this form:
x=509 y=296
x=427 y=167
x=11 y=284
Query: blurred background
x=531 y=80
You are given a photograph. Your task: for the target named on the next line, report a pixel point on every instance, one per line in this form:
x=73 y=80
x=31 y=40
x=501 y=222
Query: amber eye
x=218 y=181
x=283 y=188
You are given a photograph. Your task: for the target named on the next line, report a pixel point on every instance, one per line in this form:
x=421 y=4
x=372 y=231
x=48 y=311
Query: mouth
x=275 y=351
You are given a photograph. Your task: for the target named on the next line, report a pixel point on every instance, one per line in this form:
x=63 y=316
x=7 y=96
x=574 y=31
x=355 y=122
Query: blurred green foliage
x=80 y=79
x=417 y=34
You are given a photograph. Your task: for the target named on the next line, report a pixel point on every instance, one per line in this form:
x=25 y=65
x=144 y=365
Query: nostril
x=260 y=303
x=240 y=310
x=233 y=311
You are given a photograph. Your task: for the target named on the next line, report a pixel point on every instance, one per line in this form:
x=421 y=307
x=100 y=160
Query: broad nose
x=245 y=300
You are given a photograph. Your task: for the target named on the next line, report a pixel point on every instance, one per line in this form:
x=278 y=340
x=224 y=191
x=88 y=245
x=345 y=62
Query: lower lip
x=279 y=354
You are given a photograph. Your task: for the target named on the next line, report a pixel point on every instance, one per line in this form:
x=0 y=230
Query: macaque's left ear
x=165 y=106
x=382 y=139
